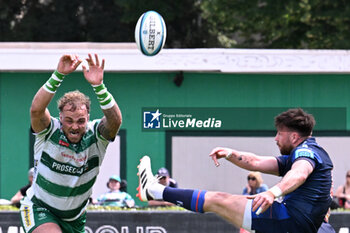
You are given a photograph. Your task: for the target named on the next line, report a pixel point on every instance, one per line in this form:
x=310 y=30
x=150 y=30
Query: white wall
x=122 y=57
x=110 y=166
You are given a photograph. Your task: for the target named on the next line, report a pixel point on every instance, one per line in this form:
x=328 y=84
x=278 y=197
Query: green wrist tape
x=53 y=82
x=105 y=98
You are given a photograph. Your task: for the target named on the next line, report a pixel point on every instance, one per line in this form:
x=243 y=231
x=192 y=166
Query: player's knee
x=217 y=197
x=217 y=201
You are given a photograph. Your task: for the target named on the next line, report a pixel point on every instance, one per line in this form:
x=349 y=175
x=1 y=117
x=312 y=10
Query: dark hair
x=296 y=119
x=74 y=98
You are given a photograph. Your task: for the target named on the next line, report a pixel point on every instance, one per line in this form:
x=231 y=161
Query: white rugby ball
x=150 y=33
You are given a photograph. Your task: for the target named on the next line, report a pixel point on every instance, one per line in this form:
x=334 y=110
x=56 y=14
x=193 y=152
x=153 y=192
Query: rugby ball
x=150 y=33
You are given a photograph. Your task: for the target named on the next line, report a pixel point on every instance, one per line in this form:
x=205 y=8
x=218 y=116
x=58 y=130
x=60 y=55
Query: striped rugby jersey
x=65 y=172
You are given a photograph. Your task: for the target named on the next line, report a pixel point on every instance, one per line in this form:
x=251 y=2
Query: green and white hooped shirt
x=65 y=172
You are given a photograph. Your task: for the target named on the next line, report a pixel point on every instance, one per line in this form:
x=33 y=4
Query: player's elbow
x=35 y=111
x=299 y=179
x=302 y=177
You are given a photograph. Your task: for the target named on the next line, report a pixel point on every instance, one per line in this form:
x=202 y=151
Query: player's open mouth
x=74 y=134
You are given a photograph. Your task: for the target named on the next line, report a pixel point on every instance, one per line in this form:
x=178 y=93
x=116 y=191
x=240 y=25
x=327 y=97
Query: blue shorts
x=274 y=219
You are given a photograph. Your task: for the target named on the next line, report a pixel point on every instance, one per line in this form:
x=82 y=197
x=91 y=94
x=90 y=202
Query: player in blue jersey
x=304 y=190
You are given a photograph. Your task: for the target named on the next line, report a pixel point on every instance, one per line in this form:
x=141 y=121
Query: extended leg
x=229 y=207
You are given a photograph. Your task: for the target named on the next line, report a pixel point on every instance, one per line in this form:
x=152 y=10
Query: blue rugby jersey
x=309 y=203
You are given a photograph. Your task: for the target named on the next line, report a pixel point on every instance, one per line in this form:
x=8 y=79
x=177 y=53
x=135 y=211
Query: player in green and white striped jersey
x=68 y=151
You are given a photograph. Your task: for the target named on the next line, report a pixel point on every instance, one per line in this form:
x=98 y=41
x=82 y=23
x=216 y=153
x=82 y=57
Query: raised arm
x=246 y=160
x=112 y=119
x=39 y=114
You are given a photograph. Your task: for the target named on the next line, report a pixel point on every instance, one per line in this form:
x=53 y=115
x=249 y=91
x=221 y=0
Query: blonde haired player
x=68 y=151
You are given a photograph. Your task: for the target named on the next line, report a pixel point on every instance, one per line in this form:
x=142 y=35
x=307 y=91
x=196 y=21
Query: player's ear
x=295 y=137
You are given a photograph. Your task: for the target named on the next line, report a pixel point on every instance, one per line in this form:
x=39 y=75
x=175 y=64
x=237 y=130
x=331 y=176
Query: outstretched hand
x=262 y=201
x=218 y=153
x=95 y=73
x=68 y=64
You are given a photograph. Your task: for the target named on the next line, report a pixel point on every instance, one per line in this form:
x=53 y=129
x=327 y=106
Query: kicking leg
x=229 y=207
